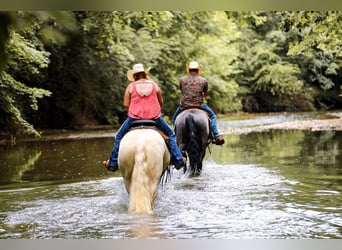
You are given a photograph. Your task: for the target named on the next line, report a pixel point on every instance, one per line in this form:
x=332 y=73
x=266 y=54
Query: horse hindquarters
x=142 y=161
x=192 y=132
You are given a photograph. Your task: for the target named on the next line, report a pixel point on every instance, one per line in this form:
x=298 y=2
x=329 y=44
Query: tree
x=315 y=44
x=271 y=81
x=23 y=68
x=74 y=64
x=24 y=60
x=217 y=51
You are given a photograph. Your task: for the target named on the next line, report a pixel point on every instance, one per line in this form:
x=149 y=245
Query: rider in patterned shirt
x=194 y=89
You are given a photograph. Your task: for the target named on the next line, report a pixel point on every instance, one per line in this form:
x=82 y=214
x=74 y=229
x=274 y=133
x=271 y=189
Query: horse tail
x=193 y=147
x=140 y=196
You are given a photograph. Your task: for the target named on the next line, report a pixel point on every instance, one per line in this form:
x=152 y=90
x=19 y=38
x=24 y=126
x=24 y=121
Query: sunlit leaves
x=318 y=44
x=279 y=59
x=279 y=79
x=26 y=58
x=24 y=55
x=217 y=52
x=10 y=90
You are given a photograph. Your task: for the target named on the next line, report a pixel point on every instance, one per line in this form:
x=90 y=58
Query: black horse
x=192 y=129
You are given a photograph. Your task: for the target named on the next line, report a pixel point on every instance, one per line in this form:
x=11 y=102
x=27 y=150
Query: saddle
x=150 y=124
x=143 y=124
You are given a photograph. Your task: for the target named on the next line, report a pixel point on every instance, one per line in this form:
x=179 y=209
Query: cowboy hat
x=136 y=69
x=194 y=65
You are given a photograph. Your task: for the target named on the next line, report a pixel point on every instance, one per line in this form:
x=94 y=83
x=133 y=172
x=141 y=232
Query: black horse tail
x=193 y=147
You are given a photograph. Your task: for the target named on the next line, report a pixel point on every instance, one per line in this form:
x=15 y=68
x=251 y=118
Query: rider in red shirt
x=144 y=100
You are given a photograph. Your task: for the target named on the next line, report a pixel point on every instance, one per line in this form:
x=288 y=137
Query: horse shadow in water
x=192 y=129
x=143 y=160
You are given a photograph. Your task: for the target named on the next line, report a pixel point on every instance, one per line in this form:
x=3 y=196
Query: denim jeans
x=176 y=155
x=212 y=118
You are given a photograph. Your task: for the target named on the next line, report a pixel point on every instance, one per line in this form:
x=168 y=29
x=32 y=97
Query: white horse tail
x=143 y=158
x=140 y=195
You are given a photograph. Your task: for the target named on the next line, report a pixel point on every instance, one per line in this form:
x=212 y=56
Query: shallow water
x=271 y=185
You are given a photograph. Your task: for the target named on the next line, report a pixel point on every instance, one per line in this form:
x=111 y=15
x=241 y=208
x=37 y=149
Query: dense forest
x=68 y=69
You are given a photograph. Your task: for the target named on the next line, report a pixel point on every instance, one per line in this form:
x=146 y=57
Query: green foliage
x=219 y=67
x=89 y=90
x=264 y=72
x=278 y=79
x=5 y=21
x=98 y=57
x=275 y=60
x=316 y=45
x=25 y=62
x=10 y=91
x=25 y=56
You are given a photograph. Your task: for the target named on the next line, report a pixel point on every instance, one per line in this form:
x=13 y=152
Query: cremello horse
x=143 y=160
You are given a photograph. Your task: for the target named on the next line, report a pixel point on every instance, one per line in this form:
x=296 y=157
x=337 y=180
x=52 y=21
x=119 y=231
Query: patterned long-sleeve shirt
x=194 y=89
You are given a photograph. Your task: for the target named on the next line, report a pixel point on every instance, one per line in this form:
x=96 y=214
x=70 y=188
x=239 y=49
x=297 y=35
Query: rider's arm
x=181 y=85
x=159 y=95
x=205 y=89
x=127 y=96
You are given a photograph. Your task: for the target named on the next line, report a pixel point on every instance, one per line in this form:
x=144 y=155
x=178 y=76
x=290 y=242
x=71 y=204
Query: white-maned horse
x=143 y=160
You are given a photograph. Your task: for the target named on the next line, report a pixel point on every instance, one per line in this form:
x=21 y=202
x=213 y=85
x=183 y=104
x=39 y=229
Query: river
x=277 y=184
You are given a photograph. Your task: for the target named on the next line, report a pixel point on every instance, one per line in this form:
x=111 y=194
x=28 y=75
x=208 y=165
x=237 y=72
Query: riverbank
x=328 y=121
x=335 y=123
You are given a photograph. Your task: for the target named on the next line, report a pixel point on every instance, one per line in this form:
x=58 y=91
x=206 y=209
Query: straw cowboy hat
x=194 y=65
x=136 y=69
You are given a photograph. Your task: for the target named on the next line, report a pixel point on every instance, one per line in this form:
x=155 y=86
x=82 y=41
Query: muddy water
x=277 y=184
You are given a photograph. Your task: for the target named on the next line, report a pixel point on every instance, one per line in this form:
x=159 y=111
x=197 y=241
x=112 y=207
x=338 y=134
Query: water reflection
x=316 y=151
x=275 y=184
x=54 y=161
x=312 y=160
x=15 y=173
x=146 y=226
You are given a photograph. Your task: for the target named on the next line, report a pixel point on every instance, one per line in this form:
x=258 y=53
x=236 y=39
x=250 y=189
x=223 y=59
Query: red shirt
x=144 y=105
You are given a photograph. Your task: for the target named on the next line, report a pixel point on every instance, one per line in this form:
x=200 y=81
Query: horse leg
x=200 y=162
x=182 y=148
x=199 y=167
x=185 y=167
x=153 y=191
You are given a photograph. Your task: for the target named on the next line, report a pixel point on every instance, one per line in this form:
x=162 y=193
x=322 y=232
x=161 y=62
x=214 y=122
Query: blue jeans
x=212 y=118
x=176 y=155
